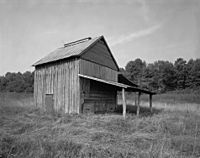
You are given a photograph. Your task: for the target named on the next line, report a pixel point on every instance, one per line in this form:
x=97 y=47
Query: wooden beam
x=124 y=102
x=138 y=104
x=150 y=102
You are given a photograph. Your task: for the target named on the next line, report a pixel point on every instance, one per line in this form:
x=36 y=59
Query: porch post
x=124 y=102
x=135 y=98
x=150 y=102
x=138 y=104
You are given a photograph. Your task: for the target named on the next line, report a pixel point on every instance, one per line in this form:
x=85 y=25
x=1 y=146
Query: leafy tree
x=136 y=70
x=195 y=73
x=17 y=82
x=29 y=80
x=152 y=77
x=160 y=76
x=3 y=83
x=181 y=72
x=189 y=66
x=164 y=75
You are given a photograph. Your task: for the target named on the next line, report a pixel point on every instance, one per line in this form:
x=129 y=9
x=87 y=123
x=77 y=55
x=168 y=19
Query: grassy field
x=173 y=130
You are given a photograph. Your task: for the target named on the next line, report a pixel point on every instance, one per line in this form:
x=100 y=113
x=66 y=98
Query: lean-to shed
x=82 y=76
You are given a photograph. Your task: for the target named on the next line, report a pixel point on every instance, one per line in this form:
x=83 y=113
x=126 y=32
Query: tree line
x=17 y=82
x=162 y=76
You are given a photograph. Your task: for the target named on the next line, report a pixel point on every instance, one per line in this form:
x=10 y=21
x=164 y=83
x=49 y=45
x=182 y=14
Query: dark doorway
x=49 y=103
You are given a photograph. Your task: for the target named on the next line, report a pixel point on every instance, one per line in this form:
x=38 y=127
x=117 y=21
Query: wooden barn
x=80 y=77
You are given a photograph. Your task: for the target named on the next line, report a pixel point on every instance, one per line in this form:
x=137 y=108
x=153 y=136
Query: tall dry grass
x=29 y=132
x=16 y=99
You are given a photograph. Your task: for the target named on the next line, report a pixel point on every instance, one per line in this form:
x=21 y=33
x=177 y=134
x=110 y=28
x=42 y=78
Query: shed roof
x=128 y=87
x=72 y=49
x=132 y=87
x=124 y=80
x=117 y=84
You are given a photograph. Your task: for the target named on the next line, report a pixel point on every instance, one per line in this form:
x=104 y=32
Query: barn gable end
x=99 y=53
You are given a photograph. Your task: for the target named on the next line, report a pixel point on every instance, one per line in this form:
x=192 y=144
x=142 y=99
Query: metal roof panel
x=68 y=51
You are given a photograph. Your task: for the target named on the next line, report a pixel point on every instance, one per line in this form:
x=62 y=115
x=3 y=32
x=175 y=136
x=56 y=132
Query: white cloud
x=135 y=35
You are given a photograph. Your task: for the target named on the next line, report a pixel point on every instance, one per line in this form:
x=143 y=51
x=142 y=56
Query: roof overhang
x=117 y=84
x=124 y=80
x=104 y=81
x=137 y=89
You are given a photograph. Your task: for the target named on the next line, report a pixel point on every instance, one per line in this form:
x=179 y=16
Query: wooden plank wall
x=95 y=70
x=60 y=79
x=100 y=54
x=98 y=98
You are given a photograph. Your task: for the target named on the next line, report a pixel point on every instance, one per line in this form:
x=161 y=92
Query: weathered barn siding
x=100 y=54
x=61 y=80
x=80 y=77
x=95 y=70
x=97 y=97
x=57 y=84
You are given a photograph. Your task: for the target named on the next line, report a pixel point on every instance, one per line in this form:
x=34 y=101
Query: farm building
x=80 y=77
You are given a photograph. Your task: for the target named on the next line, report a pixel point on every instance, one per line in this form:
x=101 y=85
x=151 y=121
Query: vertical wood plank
x=150 y=102
x=70 y=87
x=39 y=87
x=77 y=87
x=138 y=104
x=55 y=87
x=35 y=88
x=62 y=89
x=124 y=102
x=66 y=88
x=42 y=94
x=58 y=88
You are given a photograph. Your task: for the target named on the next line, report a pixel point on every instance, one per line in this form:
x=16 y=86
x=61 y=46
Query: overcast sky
x=147 y=29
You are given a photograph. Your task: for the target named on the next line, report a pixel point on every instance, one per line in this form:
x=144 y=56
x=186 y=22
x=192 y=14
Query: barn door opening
x=49 y=103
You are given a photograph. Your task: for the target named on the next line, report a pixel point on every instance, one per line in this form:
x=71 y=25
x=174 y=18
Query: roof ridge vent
x=77 y=42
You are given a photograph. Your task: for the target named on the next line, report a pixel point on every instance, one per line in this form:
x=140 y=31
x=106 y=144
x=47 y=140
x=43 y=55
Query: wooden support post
x=135 y=98
x=150 y=102
x=124 y=102
x=138 y=104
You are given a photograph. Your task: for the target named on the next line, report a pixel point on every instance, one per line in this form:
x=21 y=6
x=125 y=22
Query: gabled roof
x=72 y=49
